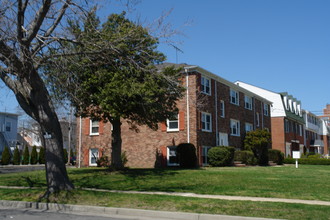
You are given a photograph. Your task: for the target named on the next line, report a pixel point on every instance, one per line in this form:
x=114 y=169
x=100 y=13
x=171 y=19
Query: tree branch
x=38 y=20
x=9 y=54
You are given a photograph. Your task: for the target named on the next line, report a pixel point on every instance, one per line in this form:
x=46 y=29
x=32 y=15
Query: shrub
x=34 y=155
x=5 y=160
x=246 y=157
x=187 y=155
x=41 y=158
x=258 y=142
x=72 y=157
x=309 y=161
x=16 y=157
x=65 y=155
x=314 y=156
x=276 y=156
x=221 y=156
x=103 y=161
x=26 y=156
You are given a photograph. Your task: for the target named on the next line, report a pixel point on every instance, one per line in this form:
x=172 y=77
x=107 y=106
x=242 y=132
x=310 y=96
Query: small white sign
x=296 y=154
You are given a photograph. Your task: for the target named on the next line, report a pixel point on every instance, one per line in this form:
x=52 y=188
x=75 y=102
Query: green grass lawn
x=306 y=182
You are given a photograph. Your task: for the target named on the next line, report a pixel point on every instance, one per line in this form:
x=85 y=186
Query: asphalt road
x=19 y=214
x=21 y=168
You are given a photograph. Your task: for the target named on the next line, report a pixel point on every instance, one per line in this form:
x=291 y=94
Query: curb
x=117 y=212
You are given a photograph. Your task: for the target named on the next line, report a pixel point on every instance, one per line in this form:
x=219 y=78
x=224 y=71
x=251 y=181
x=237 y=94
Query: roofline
x=7 y=113
x=224 y=81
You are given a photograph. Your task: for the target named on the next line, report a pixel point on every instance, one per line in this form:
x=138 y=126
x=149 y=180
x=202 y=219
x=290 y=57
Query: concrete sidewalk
x=137 y=214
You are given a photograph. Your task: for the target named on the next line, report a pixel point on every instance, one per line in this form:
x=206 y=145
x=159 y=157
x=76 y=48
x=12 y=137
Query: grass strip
x=173 y=203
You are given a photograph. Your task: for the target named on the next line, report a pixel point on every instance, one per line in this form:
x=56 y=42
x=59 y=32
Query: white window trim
x=206 y=114
x=248 y=100
x=237 y=123
x=222 y=111
x=168 y=124
x=250 y=125
x=266 y=109
x=204 y=92
x=91 y=130
x=236 y=97
x=90 y=157
x=168 y=157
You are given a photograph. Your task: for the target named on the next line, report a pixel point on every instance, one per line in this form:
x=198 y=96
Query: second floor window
x=94 y=127
x=248 y=102
x=286 y=126
x=266 y=112
x=206 y=121
x=234 y=97
x=222 y=109
x=206 y=85
x=8 y=127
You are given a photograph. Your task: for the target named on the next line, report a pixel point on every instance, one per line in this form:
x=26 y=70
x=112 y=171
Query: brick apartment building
x=287 y=120
x=213 y=112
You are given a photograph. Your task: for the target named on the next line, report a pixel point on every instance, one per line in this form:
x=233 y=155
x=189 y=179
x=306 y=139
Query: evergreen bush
x=26 y=156
x=258 y=142
x=221 y=156
x=187 y=155
x=246 y=157
x=276 y=156
x=34 y=155
x=103 y=161
x=16 y=157
x=65 y=155
x=5 y=159
x=41 y=157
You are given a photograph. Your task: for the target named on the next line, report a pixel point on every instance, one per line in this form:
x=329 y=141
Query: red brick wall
x=278 y=134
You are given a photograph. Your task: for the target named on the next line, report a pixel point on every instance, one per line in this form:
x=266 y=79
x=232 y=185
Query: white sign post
x=296 y=155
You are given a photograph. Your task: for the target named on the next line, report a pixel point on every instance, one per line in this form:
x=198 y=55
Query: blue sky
x=280 y=45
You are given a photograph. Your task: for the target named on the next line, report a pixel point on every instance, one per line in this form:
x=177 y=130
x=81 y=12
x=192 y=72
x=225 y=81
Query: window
x=300 y=130
x=257 y=119
x=173 y=124
x=94 y=127
x=266 y=112
x=205 y=151
x=206 y=85
x=248 y=127
x=93 y=156
x=234 y=97
x=206 y=122
x=8 y=126
x=286 y=126
x=172 y=159
x=248 y=102
x=234 y=127
x=222 y=108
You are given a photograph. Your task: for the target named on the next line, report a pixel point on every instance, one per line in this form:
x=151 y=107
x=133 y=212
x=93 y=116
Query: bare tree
x=28 y=30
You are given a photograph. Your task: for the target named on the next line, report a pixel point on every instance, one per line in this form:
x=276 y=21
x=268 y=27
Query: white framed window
x=248 y=102
x=234 y=127
x=8 y=126
x=234 y=99
x=173 y=123
x=248 y=127
x=205 y=151
x=93 y=156
x=206 y=85
x=94 y=127
x=222 y=109
x=257 y=119
x=300 y=130
x=223 y=139
x=266 y=111
x=206 y=122
x=172 y=158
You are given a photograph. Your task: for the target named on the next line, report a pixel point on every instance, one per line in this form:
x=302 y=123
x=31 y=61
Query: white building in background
x=8 y=131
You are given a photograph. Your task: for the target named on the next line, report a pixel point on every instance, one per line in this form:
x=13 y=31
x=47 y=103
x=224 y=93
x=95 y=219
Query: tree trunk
x=116 y=162
x=35 y=100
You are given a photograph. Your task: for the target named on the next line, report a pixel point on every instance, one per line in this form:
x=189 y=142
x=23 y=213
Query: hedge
x=309 y=161
x=221 y=156
x=187 y=155
x=276 y=156
x=246 y=157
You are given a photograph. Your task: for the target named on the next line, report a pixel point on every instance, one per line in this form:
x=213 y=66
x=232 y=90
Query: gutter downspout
x=80 y=137
x=188 y=110
x=216 y=113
